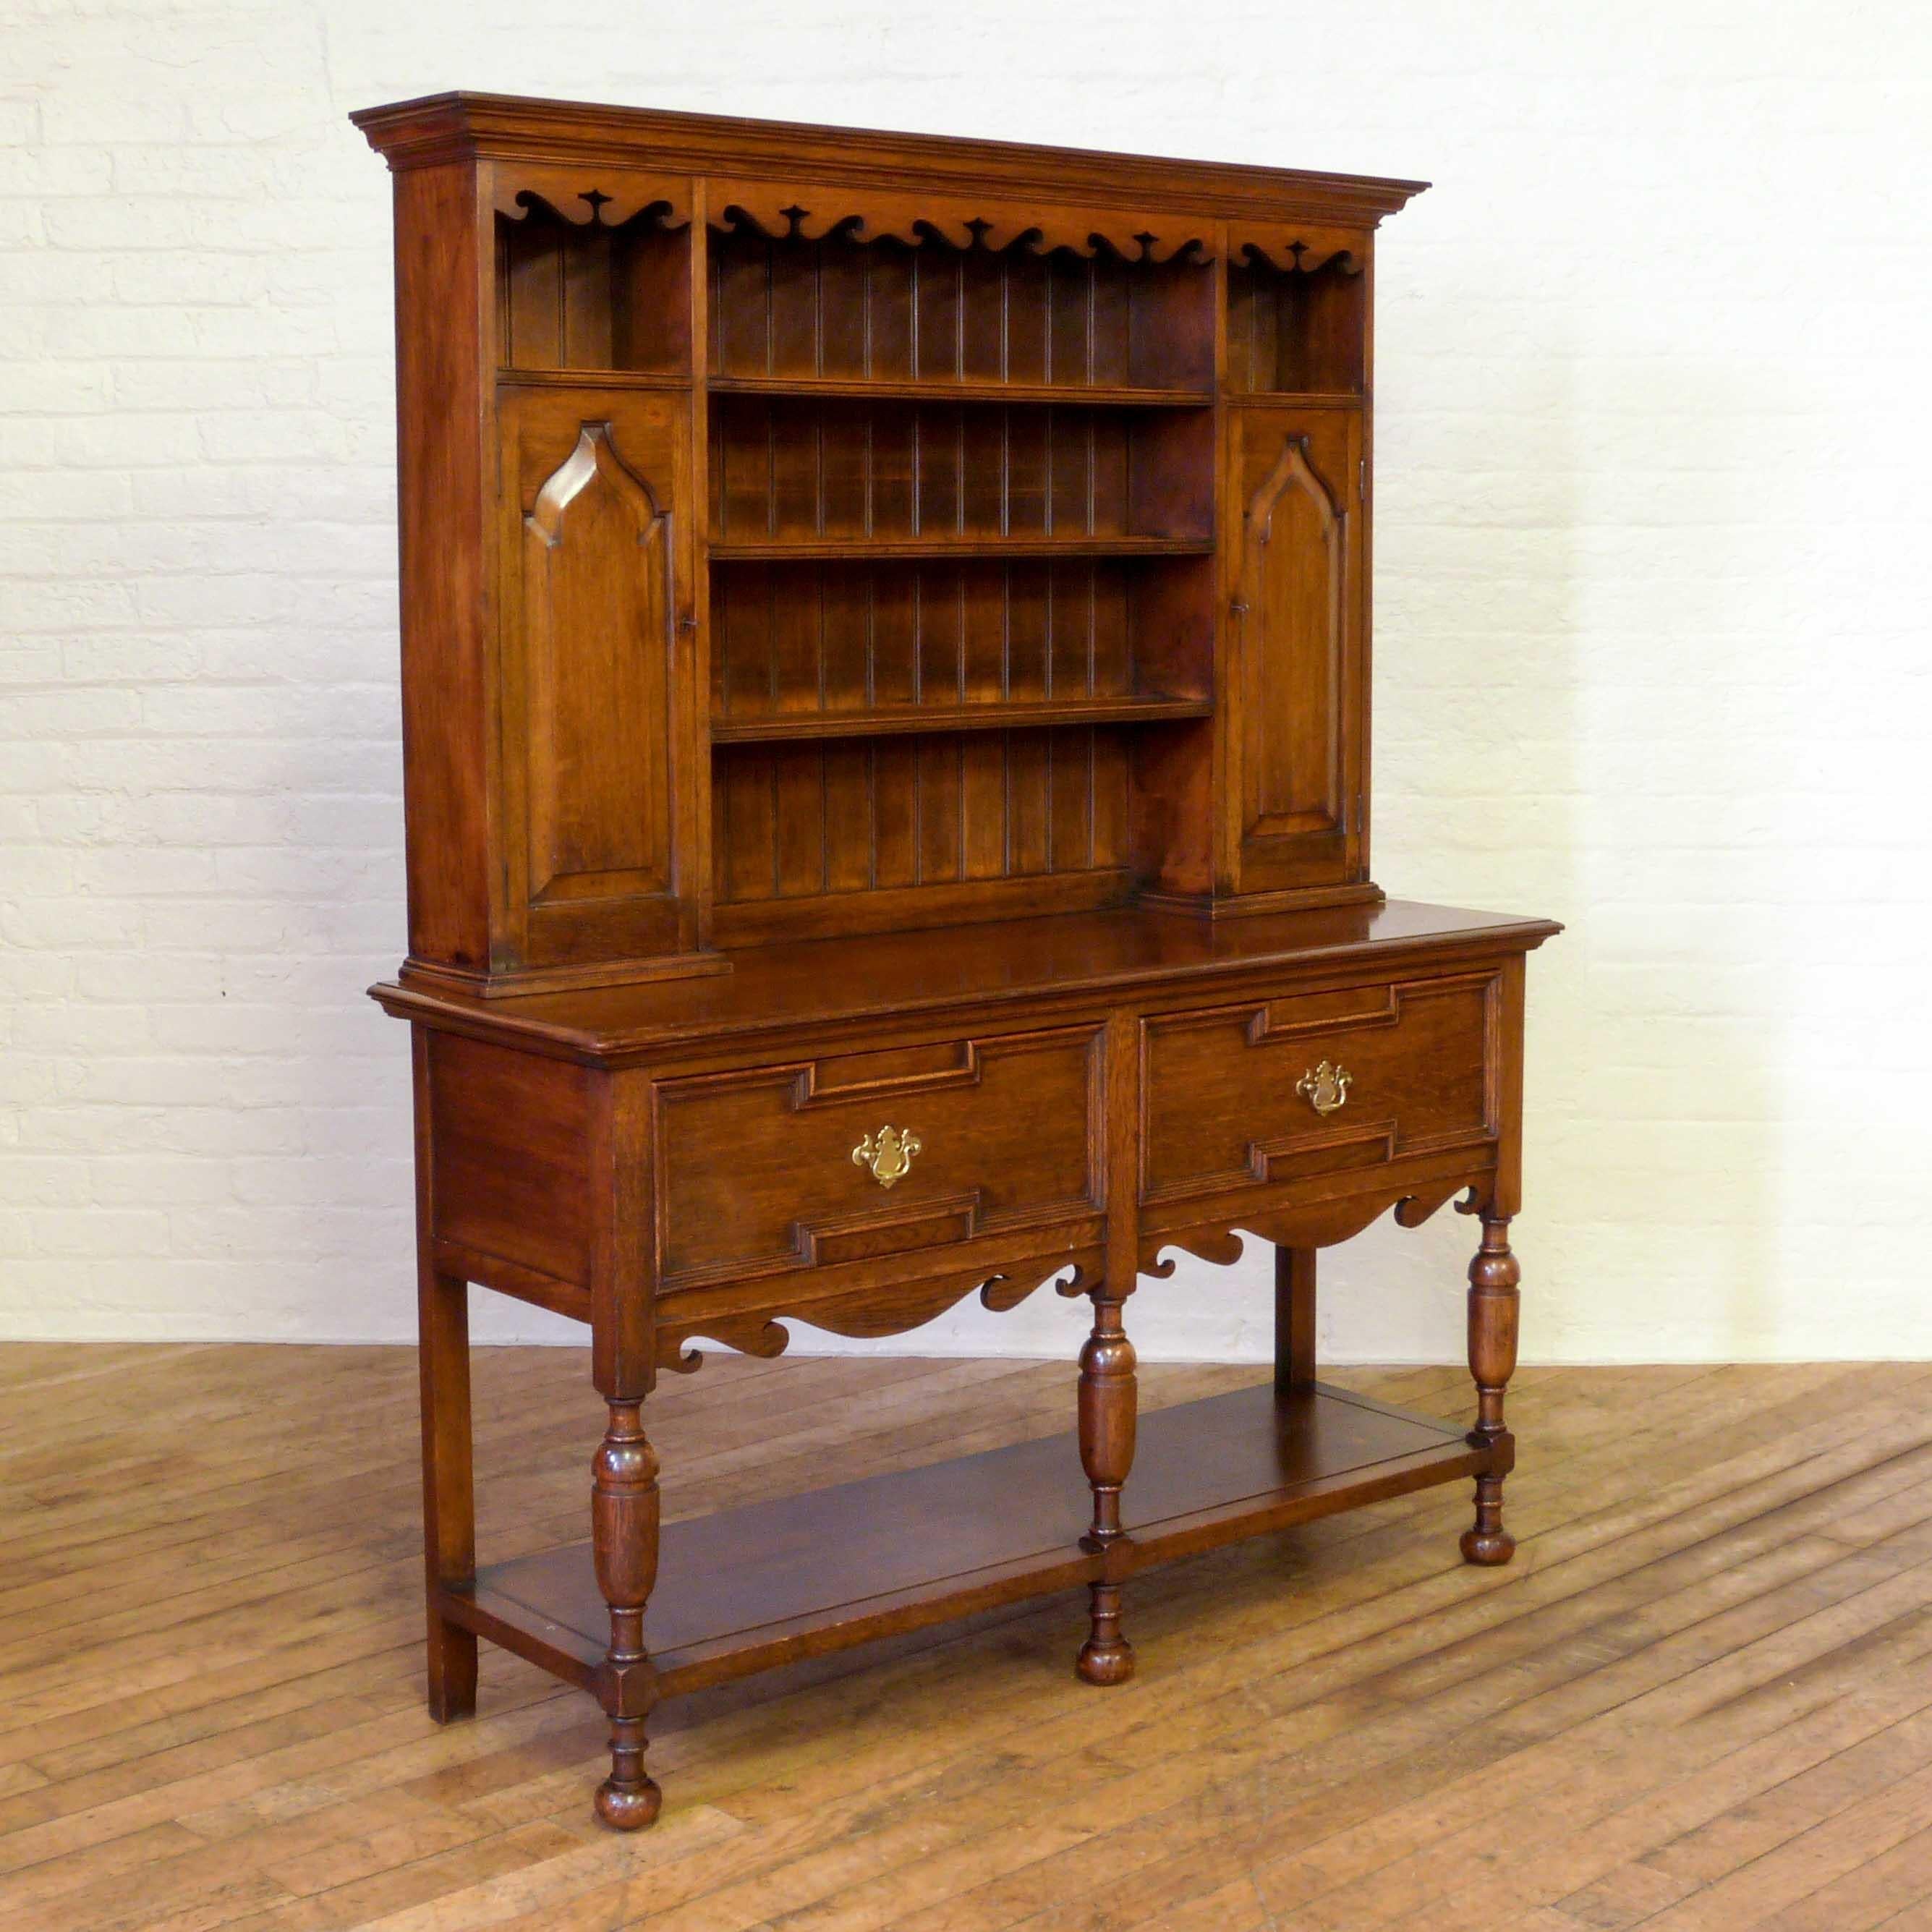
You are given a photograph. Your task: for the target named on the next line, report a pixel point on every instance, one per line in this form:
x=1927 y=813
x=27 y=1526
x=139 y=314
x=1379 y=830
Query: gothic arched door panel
x=597 y=575
x=1297 y=655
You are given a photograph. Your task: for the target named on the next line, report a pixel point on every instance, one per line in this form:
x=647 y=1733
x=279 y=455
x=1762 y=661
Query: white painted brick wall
x=1652 y=587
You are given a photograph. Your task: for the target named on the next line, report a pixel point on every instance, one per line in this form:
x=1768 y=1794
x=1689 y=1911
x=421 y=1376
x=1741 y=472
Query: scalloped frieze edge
x=586 y=198
x=861 y=1312
x=1412 y=1210
x=1318 y=1225
x=1300 y=249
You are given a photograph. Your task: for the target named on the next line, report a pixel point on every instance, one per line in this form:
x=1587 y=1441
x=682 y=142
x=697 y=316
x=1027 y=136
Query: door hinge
x=1362 y=480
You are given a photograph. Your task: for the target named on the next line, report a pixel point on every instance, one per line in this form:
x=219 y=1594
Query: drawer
x=1279 y=1089
x=854 y=1156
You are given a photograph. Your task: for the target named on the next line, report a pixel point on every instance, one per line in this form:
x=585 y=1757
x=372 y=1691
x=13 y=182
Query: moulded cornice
x=462 y=126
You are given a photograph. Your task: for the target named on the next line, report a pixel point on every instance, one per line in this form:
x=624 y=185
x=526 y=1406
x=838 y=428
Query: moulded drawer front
x=1236 y=1096
x=808 y=1164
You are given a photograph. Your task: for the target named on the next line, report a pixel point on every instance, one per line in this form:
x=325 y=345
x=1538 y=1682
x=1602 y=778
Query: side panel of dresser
x=508 y=1199
x=444 y=408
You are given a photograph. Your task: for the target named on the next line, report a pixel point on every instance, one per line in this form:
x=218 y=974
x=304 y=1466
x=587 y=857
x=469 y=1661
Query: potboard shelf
x=748 y=1588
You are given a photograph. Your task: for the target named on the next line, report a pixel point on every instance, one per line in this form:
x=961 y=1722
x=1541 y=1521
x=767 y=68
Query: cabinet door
x=597 y=566
x=1297 y=641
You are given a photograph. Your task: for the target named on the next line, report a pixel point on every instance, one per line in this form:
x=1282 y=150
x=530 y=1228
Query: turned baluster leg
x=624 y=1536
x=1493 y=1276
x=1108 y=1407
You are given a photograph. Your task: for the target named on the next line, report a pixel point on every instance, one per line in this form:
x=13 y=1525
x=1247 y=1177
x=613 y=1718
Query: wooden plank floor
x=1702 y=1696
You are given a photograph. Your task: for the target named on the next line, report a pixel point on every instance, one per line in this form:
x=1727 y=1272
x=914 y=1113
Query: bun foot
x=1106 y=1657
x=1105 y=1662
x=1485 y=1541
x=628 y=1799
x=1488 y=1547
x=629 y=1806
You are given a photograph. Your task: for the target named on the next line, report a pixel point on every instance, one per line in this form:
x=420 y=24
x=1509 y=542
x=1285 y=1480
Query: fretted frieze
x=805 y=211
x=589 y=197
x=1300 y=248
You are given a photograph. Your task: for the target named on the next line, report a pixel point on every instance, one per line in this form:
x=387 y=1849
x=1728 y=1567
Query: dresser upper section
x=808 y=531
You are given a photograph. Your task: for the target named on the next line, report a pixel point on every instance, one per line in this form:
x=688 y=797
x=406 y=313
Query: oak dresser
x=885 y=725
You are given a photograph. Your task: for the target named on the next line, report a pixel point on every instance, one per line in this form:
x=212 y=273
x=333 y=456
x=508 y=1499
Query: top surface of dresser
x=890 y=976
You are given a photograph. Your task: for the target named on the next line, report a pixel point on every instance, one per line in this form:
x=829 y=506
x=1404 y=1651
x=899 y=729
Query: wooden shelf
x=879 y=549
x=594 y=379
x=1004 y=716
x=1302 y=399
x=939 y=390
x=764 y=1585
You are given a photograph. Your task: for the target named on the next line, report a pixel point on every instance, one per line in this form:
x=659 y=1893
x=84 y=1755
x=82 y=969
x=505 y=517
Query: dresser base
x=748 y=1589
x=855 y=1135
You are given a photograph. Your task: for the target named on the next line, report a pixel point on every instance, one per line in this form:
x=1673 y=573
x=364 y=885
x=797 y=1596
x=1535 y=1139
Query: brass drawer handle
x=888 y=1154
x=1325 y=1087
